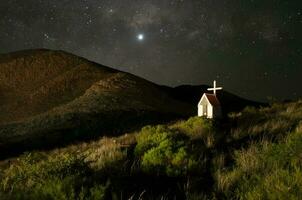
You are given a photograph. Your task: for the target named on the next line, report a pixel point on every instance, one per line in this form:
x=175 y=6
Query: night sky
x=251 y=47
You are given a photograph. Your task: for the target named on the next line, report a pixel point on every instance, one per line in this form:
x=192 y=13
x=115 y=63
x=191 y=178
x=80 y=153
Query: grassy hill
x=254 y=155
x=50 y=98
x=33 y=82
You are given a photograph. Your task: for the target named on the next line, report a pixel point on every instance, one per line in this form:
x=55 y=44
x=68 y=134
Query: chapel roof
x=212 y=99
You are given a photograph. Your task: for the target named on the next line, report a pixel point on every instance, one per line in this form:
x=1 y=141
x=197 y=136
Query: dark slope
x=50 y=98
x=32 y=82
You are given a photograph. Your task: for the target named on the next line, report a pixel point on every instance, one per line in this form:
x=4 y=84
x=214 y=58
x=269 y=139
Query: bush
x=149 y=137
x=164 y=152
x=197 y=128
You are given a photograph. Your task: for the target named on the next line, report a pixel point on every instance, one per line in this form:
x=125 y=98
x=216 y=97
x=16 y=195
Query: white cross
x=214 y=88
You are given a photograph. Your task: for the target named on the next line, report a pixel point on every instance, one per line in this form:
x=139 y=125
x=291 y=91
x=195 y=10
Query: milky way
x=251 y=47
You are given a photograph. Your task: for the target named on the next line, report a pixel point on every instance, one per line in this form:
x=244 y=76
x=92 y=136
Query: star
x=140 y=37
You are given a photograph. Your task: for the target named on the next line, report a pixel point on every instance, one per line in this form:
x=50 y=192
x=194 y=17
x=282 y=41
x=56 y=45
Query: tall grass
x=67 y=173
x=268 y=163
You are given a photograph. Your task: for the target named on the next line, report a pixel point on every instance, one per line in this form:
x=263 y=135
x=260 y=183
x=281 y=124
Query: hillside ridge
x=49 y=96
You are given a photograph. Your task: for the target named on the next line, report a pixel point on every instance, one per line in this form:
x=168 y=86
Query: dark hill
x=52 y=97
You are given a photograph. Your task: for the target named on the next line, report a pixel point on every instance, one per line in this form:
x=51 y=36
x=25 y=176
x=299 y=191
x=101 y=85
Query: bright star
x=140 y=37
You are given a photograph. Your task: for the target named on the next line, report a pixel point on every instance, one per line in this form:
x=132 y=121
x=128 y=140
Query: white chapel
x=209 y=105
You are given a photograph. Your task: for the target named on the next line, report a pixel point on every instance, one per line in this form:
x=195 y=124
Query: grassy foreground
x=256 y=154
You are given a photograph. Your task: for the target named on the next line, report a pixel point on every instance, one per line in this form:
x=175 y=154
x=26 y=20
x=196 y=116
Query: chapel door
x=205 y=110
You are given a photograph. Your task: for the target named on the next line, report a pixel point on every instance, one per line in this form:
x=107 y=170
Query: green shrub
x=198 y=128
x=164 y=151
x=195 y=127
x=149 y=137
